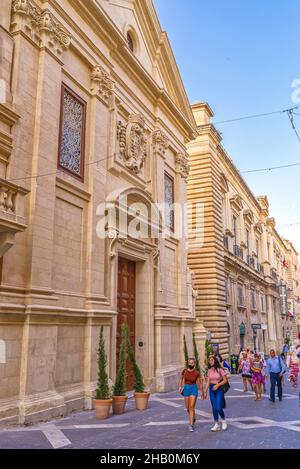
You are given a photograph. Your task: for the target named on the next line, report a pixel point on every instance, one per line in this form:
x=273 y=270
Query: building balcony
x=12 y=213
x=251 y=261
x=238 y=251
x=260 y=268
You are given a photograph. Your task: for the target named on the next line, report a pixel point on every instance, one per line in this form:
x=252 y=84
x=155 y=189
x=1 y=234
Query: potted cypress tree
x=208 y=351
x=141 y=397
x=119 y=397
x=186 y=353
x=102 y=401
x=196 y=355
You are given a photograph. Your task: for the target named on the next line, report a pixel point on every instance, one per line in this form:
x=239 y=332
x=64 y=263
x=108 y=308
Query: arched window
x=130 y=41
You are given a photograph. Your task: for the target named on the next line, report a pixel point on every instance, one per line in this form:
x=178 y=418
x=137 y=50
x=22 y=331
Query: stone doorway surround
x=144 y=252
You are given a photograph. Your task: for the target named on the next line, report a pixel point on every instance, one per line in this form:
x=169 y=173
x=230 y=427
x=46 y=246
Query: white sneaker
x=224 y=425
x=216 y=427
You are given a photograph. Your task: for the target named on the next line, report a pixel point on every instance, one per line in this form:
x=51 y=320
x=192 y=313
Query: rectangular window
x=257 y=249
x=247 y=240
x=253 y=298
x=240 y=289
x=263 y=302
x=234 y=230
x=169 y=201
x=72 y=133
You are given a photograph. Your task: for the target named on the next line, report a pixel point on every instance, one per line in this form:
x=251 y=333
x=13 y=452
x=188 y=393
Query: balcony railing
x=12 y=213
x=238 y=251
x=274 y=275
x=260 y=268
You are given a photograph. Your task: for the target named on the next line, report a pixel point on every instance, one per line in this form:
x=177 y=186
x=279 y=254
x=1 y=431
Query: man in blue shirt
x=275 y=368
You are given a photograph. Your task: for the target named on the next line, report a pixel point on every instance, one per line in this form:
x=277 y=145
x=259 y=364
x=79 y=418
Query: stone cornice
x=248 y=216
x=40 y=26
x=236 y=202
x=8 y=115
x=211 y=131
x=242 y=267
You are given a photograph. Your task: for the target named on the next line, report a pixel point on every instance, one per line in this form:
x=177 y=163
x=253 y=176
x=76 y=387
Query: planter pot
x=141 y=400
x=102 y=408
x=118 y=404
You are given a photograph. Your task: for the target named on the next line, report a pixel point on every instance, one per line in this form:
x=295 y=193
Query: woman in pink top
x=216 y=377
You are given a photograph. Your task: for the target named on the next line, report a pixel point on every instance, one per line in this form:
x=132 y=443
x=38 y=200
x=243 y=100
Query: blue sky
x=241 y=57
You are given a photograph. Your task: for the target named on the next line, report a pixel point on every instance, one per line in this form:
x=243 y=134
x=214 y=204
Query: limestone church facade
x=94 y=123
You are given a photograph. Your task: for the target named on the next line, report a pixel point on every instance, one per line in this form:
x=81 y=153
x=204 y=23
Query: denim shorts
x=190 y=390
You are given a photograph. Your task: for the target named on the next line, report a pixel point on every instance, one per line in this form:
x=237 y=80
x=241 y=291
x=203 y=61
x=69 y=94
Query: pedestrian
x=275 y=369
x=293 y=363
x=189 y=384
x=285 y=348
x=257 y=376
x=216 y=378
x=263 y=370
x=282 y=355
x=245 y=367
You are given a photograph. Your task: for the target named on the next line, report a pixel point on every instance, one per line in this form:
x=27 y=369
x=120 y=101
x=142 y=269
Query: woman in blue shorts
x=189 y=383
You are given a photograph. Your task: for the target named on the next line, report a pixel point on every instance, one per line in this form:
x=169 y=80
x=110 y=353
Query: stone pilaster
x=206 y=252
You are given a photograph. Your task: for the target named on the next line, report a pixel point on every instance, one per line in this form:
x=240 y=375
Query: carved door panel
x=126 y=308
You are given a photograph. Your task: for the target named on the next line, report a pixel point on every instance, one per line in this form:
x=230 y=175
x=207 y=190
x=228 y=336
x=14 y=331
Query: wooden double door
x=126 y=299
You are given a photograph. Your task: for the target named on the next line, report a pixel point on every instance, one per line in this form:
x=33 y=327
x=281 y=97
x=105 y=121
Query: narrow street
x=251 y=425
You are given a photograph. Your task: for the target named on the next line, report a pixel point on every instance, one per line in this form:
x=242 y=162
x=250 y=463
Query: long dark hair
x=216 y=365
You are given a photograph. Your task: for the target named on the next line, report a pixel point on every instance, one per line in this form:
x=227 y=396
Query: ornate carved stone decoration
x=39 y=25
x=133 y=142
x=160 y=142
x=182 y=166
x=155 y=254
x=102 y=84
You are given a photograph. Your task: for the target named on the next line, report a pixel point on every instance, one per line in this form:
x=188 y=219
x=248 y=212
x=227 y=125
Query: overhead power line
x=288 y=225
x=272 y=168
x=291 y=117
x=254 y=116
x=289 y=111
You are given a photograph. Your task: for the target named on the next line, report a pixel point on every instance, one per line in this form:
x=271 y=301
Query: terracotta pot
x=102 y=408
x=118 y=404
x=141 y=400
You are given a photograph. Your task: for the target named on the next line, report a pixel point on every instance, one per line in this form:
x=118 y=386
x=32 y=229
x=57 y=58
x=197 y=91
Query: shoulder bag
x=225 y=387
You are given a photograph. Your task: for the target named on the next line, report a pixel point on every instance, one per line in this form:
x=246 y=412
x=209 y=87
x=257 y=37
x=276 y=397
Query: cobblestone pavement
x=164 y=425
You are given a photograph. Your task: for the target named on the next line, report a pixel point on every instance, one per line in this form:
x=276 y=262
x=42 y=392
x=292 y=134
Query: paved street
x=251 y=424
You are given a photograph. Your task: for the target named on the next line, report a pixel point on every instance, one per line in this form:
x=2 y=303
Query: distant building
x=247 y=276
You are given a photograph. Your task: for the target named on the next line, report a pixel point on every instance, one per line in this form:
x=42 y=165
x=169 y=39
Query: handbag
x=225 y=387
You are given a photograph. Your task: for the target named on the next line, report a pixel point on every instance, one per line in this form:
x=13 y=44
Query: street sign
x=283 y=299
x=256 y=326
x=215 y=348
